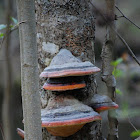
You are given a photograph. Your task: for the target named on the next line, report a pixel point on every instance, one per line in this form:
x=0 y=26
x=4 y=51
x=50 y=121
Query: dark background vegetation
x=128 y=83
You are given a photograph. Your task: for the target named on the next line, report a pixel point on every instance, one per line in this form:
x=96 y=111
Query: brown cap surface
x=65 y=115
x=20 y=133
x=101 y=103
x=64 y=83
x=65 y=64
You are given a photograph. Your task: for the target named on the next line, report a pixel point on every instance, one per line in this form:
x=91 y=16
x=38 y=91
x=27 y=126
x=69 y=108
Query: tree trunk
x=29 y=70
x=67 y=24
x=6 y=117
x=107 y=68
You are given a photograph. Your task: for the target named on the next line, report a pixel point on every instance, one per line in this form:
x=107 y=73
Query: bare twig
x=132 y=124
x=10 y=31
x=119 y=17
x=127 y=17
x=125 y=43
x=2 y=133
x=119 y=36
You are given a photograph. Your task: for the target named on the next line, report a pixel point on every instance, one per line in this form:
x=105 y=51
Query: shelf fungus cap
x=20 y=133
x=65 y=115
x=65 y=64
x=102 y=103
x=64 y=83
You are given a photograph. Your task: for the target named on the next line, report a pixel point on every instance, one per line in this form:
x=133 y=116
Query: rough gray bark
x=138 y=138
x=67 y=24
x=6 y=117
x=107 y=69
x=29 y=70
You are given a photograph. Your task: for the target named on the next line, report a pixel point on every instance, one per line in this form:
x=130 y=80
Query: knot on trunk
x=109 y=80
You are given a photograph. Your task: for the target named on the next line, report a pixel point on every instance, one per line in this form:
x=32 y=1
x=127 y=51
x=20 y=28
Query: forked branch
x=9 y=32
x=126 y=17
x=118 y=35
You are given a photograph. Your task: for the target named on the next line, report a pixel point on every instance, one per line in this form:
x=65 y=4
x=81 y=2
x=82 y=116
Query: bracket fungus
x=64 y=83
x=65 y=115
x=65 y=64
x=20 y=133
x=101 y=103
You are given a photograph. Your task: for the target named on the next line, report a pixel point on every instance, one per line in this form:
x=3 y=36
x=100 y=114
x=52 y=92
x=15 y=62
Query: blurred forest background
x=128 y=78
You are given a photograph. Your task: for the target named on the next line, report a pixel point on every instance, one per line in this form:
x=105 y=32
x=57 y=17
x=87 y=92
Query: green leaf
x=117 y=72
x=11 y=26
x=14 y=20
x=118 y=91
x=116 y=62
x=2 y=26
x=135 y=133
x=1 y=35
